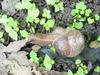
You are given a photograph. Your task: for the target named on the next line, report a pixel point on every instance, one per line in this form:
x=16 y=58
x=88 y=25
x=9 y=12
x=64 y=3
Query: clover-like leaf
x=97 y=69
x=36 y=20
x=29 y=19
x=33 y=12
x=46 y=13
x=78 y=61
x=88 y=12
x=97 y=17
x=81 y=6
x=33 y=57
x=90 y=20
x=50 y=23
x=58 y=6
x=74 y=12
x=24 y=33
x=78 y=25
x=42 y=21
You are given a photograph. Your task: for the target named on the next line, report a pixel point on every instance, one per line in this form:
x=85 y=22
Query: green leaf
x=48 y=62
x=33 y=57
x=18 y=6
x=90 y=20
x=46 y=13
x=82 y=12
x=46 y=27
x=52 y=49
x=8 y=29
x=69 y=72
x=24 y=33
x=98 y=39
x=50 y=2
x=75 y=12
x=58 y=6
x=11 y=22
x=23 y=5
x=32 y=30
x=78 y=25
x=97 y=69
x=78 y=16
x=88 y=12
x=82 y=19
x=81 y=6
x=80 y=71
x=33 y=12
x=1 y=34
x=13 y=35
x=2 y=39
x=4 y=19
x=97 y=17
x=57 y=1
x=50 y=23
x=42 y=21
x=36 y=20
x=30 y=19
x=78 y=61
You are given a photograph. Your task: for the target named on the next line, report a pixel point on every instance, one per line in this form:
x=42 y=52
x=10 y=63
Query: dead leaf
x=20 y=57
x=35 y=48
x=14 y=46
x=14 y=68
x=9 y=5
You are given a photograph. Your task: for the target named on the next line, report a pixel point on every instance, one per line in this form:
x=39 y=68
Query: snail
x=69 y=42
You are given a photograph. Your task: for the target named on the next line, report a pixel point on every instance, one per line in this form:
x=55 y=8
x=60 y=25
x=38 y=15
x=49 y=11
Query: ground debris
x=9 y=5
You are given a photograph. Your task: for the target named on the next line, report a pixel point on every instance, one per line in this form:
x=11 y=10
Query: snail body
x=69 y=42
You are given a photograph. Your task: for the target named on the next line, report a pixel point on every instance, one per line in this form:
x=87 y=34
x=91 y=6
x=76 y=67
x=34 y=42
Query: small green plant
x=10 y=26
x=57 y=4
x=82 y=69
x=97 y=69
x=49 y=24
x=46 y=21
x=33 y=12
x=48 y=62
x=52 y=48
x=46 y=13
x=81 y=15
x=33 y=15
x=24 y=33
x=33 y=57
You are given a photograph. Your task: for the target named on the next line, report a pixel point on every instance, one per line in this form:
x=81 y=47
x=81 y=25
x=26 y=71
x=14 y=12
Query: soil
x=15 y=60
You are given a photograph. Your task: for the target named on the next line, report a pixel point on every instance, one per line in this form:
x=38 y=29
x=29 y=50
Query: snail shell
x=69 y=42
